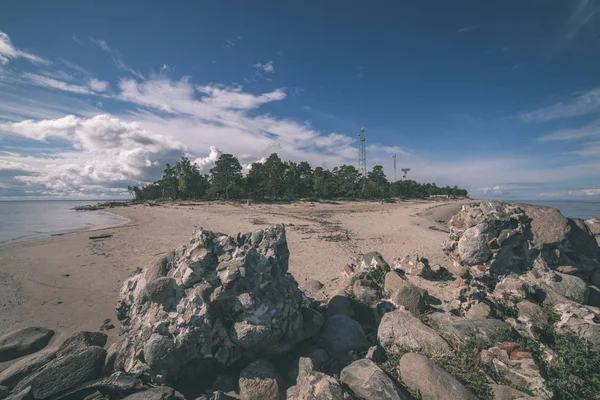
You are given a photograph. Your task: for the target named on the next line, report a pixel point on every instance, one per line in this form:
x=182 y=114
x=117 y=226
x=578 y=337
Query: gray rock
x=4 y=392
x=413 y=266
x=23 y=341
x=341 y=334
x=260 y=380
x=243 y=303
x=157 y=393
x=366 y=291
x=316 y=355
x=24 y=394
x=472 y=246
x=569 y=286
x=118 y=385
x=464 y=329
x=368 y=381
x=533 y=312
x=312 y=321
x=581 y=239
x=63 y=374
x=393 y=281
x=400 y=331
x=339 y=304
x=376 y=354
x=593 y=225
x=80 y=341
x=411 y=297
x=12 y=375
x=381 y=309
x=595 y=278
x=503 y=392
x=111 y=356
x=225 y=383
x=593 y=296
x=478 y=311
x=313 y=385
x=548 y=226
x=431 y=381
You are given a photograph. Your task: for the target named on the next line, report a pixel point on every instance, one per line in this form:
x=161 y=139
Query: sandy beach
x=70 y=282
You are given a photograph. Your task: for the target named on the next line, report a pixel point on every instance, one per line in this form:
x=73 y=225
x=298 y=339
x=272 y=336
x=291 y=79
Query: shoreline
x=71 y=283
x=97 y=227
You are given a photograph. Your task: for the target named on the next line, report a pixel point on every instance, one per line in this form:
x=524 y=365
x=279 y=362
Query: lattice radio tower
x=362 y=154
x=394 y=158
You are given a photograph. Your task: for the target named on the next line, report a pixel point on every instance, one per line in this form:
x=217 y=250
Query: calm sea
x=23 y=220
x=584 y=209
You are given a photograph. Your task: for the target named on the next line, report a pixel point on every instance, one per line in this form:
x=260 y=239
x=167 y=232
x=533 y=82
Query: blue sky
x=502 y=98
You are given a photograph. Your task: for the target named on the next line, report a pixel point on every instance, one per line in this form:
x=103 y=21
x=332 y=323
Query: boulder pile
x=221 y=318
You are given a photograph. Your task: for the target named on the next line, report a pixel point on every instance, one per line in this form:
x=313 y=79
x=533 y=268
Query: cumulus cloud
x=8 y=51
x=267 y=67
x=206 y=163
x=107 y=153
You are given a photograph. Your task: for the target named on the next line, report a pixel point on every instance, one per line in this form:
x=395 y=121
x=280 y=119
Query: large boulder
x=569 y=286
x=260 y=380
x=465 y=329
x=12 y=375
x=431 y=381
x=548 y=226
x=400 y=331
x=223 y=299
x=339 y=304
x=63 y=374
x=80 y=341
x=366 y=291
x=24 y=341
x=593 y=225
x=313 y=385
x=472 y=246
x=341 y=334
x=368 y=381
x=503 y=392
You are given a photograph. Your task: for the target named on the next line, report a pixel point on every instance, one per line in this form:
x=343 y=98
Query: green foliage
x=274 y=179
x=575 y=373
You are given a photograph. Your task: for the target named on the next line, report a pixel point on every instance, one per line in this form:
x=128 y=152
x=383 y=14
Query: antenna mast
x=394 y=157
x=362 y=154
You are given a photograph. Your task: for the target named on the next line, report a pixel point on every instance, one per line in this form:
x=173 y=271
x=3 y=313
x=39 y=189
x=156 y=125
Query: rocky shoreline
x=221 y=317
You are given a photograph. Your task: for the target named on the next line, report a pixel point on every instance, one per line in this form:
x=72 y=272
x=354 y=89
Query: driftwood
x=100 y=237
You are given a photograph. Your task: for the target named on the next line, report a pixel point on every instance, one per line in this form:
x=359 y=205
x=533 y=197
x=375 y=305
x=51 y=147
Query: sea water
x=23 y=220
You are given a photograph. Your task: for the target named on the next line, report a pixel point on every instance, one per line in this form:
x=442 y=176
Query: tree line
x=278 y=180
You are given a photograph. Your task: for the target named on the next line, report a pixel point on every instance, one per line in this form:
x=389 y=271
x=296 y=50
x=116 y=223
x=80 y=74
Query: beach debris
x=100 y=237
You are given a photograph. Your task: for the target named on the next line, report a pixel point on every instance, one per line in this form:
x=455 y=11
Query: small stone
x=568 y=269
x=368 y=381
x=157 y=393
x=531 y=311
x=366 y=291
x=260 y=380
x=509 y=347
x=341 y=334
x=503 y=392
x=431 y=381
x=410 y=297
x=478 y=311
x=339 y=304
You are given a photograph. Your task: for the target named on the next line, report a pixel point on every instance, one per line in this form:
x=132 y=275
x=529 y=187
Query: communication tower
x=394 y=158
x=362 y=154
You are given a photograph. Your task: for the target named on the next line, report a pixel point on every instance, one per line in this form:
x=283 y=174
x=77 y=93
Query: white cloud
x=465 y=29
x=588 y=131
x=98 y=85
x=582 y=104
x=267 y=67
x=107 y=153
x=51 y=83
x=8 y=51
x=573 y=193
x=498 y=189
x=116 y=57
x=231 y=43
x=206 y=163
